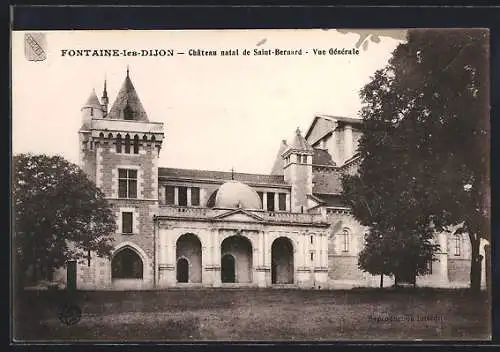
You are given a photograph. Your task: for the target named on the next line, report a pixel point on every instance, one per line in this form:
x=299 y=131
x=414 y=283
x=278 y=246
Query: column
x=276 y=201
x=262 y=249
x=189 y=196
x=216 y=258
x=176 y=195
x=288 y=202
x=264 y=201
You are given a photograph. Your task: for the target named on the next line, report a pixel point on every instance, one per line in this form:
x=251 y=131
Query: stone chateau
x=201 y=228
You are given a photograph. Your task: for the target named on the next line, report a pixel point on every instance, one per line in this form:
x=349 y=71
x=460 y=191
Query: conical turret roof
x=279 y=162
x=93 y=101
x=127 y=104
x=300 y=143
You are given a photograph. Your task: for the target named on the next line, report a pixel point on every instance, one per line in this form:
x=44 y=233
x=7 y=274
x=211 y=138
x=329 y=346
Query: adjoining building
x=183 y=227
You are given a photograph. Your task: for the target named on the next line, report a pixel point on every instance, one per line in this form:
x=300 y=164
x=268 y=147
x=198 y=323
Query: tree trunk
x=381 y=280
x=475 y=265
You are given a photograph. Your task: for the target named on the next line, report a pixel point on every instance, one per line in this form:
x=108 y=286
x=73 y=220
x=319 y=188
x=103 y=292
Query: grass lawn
x=257 y=315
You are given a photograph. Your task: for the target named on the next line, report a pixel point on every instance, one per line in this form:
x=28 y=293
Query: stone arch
x=241 y=248
x=136 y=144
x=110 y=135
x=282 y=260
x=127 y=263
x=101 y=135
x=153 y=138
x=189 y=247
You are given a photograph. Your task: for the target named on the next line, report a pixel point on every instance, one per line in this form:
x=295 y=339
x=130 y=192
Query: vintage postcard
x=251 y=185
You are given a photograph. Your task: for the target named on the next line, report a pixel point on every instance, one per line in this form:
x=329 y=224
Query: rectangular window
x=282 y=201
x=270 y=201
x=127 y=219
x=345 y=240
x=127 y=183
x=169 y=195
x=183 y=196
x=457 y=245
x=195 y=196
x=261 y=195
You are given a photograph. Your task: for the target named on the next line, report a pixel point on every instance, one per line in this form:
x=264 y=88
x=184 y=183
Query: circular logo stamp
x=70 y=314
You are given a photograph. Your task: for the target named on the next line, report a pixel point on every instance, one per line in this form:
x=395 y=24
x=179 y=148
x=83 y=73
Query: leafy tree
x=425 y=146
x=59 y=214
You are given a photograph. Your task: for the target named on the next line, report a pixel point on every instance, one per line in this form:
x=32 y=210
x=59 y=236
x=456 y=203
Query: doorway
x=182 y=270
x=228 y=269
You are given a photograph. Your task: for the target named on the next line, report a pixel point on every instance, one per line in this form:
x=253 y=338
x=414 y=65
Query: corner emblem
x=35 y=46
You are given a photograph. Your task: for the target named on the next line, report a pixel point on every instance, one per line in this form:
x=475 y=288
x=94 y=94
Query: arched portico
x=282 y=261
x=236 y=260
x=188 y=259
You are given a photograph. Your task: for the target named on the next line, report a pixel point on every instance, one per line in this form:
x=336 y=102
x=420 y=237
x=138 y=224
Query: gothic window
x=282 y=201
x=458 y=245
x=136 y=144
x=127 y=222
x=118 y=143
x=429 y=267
x=345 y=241
x=182 y=196
x=170 y=195
x=312 y=256
x=126 y=264
x=270 y=201
x=195 y=196
x=127 y=144
x=127 y=183
x=312 y=239
x=128 y=113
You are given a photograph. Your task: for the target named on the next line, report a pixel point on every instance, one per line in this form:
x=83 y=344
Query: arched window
x=127 y=144
x=345 y=240
x=127 y=264
x=118 y=143
x=458 y=245
x=136 y=144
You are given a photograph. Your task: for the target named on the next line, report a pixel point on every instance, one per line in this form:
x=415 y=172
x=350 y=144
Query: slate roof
x=127 y=97
x=328 y=182
x=220 y=176
x=324 y=124
x=279 y=163
x=299 y=142
x=322 y=157
x=331 y=200
x=93 y=101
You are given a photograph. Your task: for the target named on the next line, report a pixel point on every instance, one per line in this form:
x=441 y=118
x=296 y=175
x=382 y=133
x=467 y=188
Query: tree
x=59 y=215
x=425 y=148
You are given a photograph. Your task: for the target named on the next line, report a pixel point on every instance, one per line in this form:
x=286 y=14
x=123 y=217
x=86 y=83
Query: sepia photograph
x=251 y=185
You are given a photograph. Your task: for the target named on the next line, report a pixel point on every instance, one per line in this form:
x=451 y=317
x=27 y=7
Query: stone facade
x=172 y=230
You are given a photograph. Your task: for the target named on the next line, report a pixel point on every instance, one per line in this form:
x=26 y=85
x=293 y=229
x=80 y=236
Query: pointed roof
x=279 y=162
x=300 y=143
x=93 y=101
x=128 y=101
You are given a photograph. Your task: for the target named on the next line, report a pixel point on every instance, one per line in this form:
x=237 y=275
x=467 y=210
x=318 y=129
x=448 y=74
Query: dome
x=235 y=194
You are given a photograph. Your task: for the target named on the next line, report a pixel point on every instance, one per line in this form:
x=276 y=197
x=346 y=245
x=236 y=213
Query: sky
x=218 y=112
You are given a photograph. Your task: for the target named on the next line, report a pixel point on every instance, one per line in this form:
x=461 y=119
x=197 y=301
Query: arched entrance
x=228 y=269
x=239 y=248
x=188 y=255
x=126 y=264
x=282 y=261
x=182 y=270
